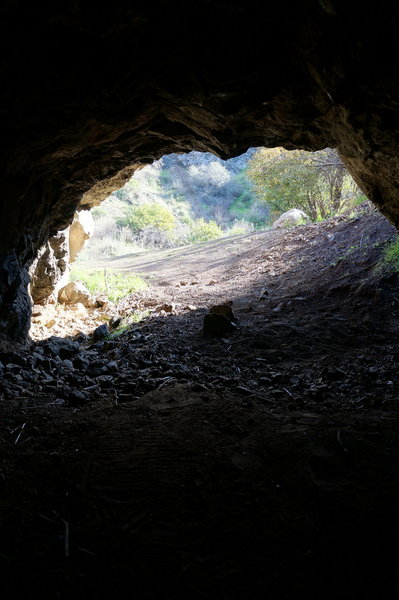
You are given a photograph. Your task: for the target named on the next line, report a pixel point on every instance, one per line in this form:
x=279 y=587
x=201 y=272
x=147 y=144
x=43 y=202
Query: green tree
x=312 y=181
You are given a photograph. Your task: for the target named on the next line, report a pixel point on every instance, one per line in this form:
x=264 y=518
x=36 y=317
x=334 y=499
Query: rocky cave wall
x=89 y=93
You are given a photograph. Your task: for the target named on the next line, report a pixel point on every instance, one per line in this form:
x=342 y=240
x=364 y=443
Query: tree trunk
x=337 y=184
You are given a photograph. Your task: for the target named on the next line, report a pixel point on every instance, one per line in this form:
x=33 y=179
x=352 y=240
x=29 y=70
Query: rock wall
x=50 y=269
x=81 y=230
x=90 y=93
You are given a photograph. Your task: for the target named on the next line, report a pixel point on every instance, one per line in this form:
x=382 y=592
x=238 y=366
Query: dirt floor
x=259 y=463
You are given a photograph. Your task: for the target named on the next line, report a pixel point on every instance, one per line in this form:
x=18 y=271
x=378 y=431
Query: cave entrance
x=177 y=218
x=183 y=199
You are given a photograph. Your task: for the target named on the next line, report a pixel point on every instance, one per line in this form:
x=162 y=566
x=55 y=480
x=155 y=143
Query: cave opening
x=179 y=201
x=241 y=446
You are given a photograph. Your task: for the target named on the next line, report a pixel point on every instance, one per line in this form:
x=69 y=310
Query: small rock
x=12 y=357
x=102 y=301
x=244 y=390
x=114 y=322
x=101 y=332
x=12 y=368
x=37 y=310
x=80 y=336
x=168 y=308
x=79 y=308
x=224 y=309
x=76 y=397
x=279 y=307
x=68 y=350
x=112 y=365
x=60 y=348
x=67 y=364
x=80 y=363
x=199 y=387
x=217 y=325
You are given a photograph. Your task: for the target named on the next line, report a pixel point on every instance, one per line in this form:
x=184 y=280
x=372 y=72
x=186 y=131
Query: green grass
x=114 y=284
x=127 y=323
x=391 y=255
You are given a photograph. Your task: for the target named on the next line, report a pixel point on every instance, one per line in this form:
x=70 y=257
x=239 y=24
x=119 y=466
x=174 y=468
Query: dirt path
x=195 y=263
x=260 y=464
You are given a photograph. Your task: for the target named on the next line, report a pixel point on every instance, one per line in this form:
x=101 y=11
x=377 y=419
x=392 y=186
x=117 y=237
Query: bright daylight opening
x=180 y=221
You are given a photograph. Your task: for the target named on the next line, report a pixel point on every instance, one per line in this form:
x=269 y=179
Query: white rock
x=75 y=292
x=292 y=217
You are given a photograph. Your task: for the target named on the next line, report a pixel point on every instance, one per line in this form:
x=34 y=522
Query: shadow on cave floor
x=259 y=464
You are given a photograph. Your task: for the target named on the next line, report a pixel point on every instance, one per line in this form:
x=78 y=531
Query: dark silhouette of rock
x=101 y=332
x=217 y=325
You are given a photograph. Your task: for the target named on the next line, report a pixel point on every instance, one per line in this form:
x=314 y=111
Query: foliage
x=391 y=255
x=151 y=214
x=176 y=201
x=203 y=231
x=115 y=284
x=316 y=182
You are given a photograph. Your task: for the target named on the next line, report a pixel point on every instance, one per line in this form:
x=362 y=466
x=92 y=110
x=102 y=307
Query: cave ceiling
x=91 y=92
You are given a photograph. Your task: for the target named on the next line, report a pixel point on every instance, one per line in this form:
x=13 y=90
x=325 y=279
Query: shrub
x=151 y=215
x=203 y=231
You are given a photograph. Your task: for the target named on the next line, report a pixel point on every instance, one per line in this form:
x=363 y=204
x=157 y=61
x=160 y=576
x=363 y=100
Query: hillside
x=185 y=199
x=178 y=200
x=212 y=187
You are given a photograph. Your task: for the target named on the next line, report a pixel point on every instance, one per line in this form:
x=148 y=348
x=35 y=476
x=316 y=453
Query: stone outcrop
x=50 y=269
x=80 y=231
x=88 y=96
x=290 y=218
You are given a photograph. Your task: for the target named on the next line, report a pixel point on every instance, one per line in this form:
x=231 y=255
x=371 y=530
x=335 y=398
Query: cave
x=90 y=93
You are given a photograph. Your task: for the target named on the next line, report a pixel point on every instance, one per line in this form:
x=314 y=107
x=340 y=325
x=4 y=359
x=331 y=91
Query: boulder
x=82 y=229
x=75 y=292
x=291 y=218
